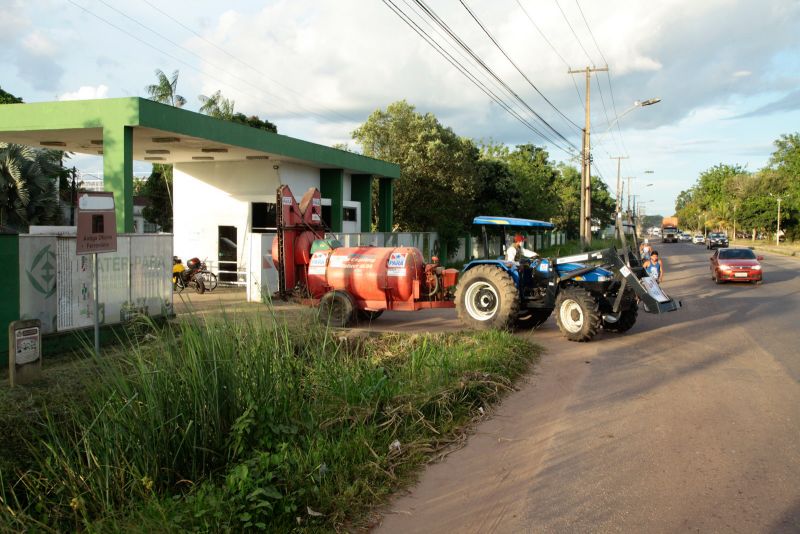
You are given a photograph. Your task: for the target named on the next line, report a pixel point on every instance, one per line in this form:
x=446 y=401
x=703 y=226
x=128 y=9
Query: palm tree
x=28 y=192
x=165 y=91
x=217 y=106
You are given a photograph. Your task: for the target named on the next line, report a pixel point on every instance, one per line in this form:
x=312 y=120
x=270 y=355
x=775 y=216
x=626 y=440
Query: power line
x=546 y=40
x=608 y=76
x=458 y=50
x=483 y=65
x=242 y=62
x=573 y=32
x=590 y=32
x=158 y=34
x=471 y=77
x=491 y=37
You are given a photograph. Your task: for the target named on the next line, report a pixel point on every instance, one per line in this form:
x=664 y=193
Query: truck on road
x=669 y=230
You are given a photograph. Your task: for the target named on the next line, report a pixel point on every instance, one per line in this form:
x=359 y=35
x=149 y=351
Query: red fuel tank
x=372 y=274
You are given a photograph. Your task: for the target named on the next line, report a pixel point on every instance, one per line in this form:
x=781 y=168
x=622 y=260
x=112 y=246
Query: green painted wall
x=9 y=290
x=361 y=191
x=331 y=185
x=385 y=205
x=118 y=172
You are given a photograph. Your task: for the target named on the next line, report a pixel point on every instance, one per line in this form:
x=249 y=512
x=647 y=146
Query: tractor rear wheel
x=486 y=297
x=577 y=314
x=337 y=308
x=533 y=318
x=627 y=318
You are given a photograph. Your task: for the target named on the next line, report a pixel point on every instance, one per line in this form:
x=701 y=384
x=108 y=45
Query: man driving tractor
x=513 y=251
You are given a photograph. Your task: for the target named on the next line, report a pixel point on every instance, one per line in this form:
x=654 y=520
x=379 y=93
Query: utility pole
x=778 y=233
x=629 y=192
x=586 y=163
x=619 y=182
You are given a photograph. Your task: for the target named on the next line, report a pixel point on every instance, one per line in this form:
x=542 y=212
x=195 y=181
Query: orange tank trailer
x=376 y=278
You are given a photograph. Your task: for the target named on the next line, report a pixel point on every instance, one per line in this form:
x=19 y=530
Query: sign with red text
x=97 y=223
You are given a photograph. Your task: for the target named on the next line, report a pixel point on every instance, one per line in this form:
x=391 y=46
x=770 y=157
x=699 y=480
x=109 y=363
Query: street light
x=586 y=175
x=778 y=233
x=636 y=104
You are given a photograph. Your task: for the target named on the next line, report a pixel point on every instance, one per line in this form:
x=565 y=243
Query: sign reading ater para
x=97 y=223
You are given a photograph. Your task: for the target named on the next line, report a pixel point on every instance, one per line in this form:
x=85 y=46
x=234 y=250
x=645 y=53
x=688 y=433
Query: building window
x=326 y=216
x=350 y=214
x=263 y=217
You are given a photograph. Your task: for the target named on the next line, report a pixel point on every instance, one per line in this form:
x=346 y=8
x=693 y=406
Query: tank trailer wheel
x=577 y=314
x=486 y=297
x=627 y=318
x=534 y=318
x=367 y=316
x=337 y=308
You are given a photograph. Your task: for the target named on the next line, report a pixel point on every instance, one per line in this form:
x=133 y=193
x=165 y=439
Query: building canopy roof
x=164 y=134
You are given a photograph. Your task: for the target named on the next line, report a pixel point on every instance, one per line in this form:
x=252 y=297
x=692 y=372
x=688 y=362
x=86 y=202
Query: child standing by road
x=645 y=250
x=654 y=267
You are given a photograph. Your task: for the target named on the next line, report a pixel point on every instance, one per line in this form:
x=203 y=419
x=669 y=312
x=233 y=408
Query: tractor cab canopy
x=512 y=221
x=496 y=232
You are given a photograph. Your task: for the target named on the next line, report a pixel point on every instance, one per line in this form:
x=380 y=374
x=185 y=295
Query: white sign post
x=97 y=232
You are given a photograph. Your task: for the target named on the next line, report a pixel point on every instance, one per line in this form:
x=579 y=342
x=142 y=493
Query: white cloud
x=39 y=44
x=742 y=74
x=86 y=92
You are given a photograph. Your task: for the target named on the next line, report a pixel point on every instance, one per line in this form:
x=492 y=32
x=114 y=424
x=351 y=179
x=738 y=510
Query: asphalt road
x=689 y=422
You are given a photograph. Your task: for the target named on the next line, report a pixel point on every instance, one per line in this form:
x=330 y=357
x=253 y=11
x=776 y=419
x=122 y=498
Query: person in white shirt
x=513 y=251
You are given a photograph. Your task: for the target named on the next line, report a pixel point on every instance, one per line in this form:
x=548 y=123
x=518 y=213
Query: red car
x=735 y=265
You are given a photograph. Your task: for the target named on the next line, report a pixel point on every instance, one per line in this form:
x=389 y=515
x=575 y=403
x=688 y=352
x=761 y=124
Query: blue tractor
x=495 y=292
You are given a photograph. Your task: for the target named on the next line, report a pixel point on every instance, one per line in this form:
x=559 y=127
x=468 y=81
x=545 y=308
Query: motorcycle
x=189 y=275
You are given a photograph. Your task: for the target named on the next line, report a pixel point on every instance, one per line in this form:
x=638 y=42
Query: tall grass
x=238 y=424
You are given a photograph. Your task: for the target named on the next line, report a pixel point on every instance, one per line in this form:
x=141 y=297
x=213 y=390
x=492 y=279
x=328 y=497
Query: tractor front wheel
x=337 y=308
x=627 y=318
x=577 y=314
x=486 y=297
x=533 y=318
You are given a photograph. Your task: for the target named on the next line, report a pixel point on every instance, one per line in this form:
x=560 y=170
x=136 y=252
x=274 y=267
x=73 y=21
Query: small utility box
x=24 y=351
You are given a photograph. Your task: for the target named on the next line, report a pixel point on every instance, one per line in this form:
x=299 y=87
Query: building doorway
x=227 y=253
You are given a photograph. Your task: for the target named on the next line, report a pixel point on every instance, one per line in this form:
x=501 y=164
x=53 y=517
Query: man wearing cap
x=512 y=252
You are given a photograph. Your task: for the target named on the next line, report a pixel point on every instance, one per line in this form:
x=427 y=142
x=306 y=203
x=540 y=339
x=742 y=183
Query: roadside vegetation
x=728 y=196
x=236 y=424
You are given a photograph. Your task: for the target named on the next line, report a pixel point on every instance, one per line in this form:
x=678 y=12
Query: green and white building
x=225 y=174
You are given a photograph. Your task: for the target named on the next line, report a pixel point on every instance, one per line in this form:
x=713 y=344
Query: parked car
x=736 y=265
x=699 y=239
x=716 y=240
x=685 y=238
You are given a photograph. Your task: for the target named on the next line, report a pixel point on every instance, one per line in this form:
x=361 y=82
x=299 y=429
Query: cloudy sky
x=727 y=71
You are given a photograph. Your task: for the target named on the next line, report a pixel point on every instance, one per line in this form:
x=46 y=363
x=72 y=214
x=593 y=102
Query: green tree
x=28 y=179
x=165 y=90
x=534 y=177
x=158 y=189
x=220 y=107
x=217 y=106
x=158 y=186
x=567 y=189
x=8 y=98
x=437 y=187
